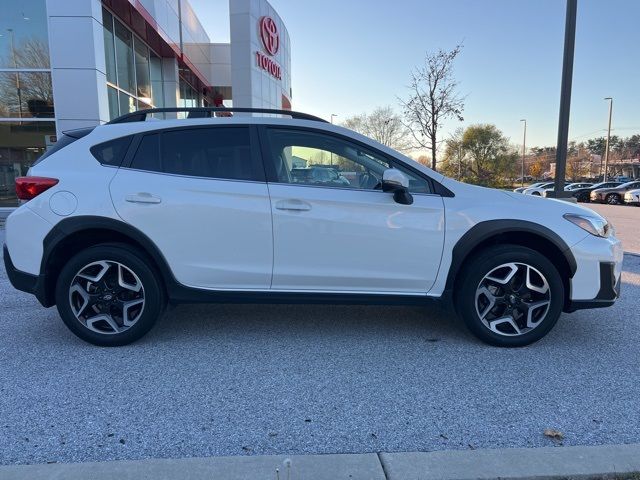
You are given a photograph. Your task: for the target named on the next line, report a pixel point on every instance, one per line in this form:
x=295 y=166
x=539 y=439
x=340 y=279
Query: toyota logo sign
x=269 y=35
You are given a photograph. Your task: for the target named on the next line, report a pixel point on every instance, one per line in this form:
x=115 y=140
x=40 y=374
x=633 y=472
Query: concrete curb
x=514 y=463
x=308 y=467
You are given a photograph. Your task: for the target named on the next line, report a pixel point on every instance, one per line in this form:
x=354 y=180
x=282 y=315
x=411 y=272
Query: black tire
x=583 y=197
x=613 y=199
x=537 y=194
x=484 y=263
x=135 y=261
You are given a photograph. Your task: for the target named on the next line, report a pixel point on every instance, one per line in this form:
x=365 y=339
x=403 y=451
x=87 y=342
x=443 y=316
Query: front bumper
x=596 y=281
x=596 y=197
x=26 y=282
x=606 y=296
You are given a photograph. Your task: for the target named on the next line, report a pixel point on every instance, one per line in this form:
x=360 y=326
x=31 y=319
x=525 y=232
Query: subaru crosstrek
x=121 y=219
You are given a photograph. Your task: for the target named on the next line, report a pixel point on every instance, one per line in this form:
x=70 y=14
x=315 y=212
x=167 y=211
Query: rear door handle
x=142 y=197
x=293 y=204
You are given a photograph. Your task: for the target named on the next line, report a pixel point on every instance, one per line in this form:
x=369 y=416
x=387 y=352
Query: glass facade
x=27 y=126
x=134 y=71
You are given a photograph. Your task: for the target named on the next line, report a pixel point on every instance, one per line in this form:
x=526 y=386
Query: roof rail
x=208 y=112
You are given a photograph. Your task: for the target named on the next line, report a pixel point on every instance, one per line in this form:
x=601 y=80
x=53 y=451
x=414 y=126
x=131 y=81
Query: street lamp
x=524 y=149
x=606 y=149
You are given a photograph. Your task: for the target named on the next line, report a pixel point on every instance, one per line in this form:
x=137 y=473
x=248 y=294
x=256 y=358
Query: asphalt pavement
x=255 y=379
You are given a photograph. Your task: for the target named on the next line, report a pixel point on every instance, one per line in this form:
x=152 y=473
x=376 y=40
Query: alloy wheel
x=107 y=297
x=513 y=299
x=613 y=199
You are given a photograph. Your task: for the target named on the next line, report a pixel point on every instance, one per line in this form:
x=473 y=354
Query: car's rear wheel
x=583 y=197
x=613 y=199
x=109 y=295
x=536 y=194
x=510 y=296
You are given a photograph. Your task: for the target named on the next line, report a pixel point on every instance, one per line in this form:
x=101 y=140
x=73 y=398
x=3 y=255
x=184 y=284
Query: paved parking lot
x=228 y=380
x=626 y=221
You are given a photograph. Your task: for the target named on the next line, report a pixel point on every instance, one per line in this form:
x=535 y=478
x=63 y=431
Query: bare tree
x=383 y=125
x=433 y=99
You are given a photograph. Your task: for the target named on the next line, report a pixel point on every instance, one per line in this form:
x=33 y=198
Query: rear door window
x=215 y=152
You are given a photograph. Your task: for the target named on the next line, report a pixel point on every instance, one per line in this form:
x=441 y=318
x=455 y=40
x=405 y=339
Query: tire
x=583 y=197
x=491 y=325
x=613 y=199
x=537 y=194
x=109 y=294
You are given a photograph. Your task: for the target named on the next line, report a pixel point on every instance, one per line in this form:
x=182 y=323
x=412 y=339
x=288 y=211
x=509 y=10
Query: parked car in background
x=568 y=188
x=319 y=175
x=522 y=189
x=632 y=197
x=623 y=179
x=613 y=195
x=583 y=194
x=537 y=191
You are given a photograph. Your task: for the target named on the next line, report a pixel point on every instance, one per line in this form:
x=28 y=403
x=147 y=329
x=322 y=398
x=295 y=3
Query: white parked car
x=123 y=218
x=537 y=189
x=632 y=197
x=533 y=185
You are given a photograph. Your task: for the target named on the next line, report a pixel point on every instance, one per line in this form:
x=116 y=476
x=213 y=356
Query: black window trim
x=254 y=147
x=437 y=189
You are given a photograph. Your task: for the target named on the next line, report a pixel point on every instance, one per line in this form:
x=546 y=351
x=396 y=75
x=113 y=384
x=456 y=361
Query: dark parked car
x=583 y=194
x=613 y=195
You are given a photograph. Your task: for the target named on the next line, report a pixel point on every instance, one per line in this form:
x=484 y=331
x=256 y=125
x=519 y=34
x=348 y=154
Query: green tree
x=483 y=155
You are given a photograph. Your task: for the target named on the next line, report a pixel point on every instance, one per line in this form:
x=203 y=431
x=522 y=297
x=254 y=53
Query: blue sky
x=349 y=56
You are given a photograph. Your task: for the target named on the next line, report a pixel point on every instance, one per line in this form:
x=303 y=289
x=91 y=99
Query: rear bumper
x=26 y=282
x=606 y=296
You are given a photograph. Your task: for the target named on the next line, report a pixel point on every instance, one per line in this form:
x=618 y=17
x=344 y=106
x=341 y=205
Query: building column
x=170 y=82
x=78 y=70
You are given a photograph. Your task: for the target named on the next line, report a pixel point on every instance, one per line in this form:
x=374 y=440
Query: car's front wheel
x=109 y=295
x=613 y=199
x=509 y=296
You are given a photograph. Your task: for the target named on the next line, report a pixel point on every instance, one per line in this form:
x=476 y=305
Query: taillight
x=28 y=188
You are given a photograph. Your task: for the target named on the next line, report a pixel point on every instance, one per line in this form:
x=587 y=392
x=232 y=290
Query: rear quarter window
x=112 y=152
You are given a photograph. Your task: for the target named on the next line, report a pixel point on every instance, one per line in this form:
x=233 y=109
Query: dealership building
x=67 y=64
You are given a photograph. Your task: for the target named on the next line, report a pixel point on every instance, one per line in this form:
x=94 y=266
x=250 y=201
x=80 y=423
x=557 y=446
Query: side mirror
x=393 y=180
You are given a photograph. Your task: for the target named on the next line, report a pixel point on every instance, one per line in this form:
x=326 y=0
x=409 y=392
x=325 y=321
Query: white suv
x=120 y=219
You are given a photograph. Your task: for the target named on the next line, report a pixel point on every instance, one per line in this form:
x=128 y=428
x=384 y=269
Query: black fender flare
x=491 y=228
x=70 y=226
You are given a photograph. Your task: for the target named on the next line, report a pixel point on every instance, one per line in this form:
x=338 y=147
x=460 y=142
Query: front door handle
x=293 y=204
x=142 y=197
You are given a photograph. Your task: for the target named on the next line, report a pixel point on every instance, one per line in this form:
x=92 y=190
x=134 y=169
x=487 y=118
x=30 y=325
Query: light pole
x=606 y=148
x=524 y=149
x=565 y=99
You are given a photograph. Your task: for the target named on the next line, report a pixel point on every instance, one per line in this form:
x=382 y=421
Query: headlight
x=594 y=225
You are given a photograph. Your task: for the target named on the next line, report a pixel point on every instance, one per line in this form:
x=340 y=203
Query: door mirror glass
x=393 y=180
